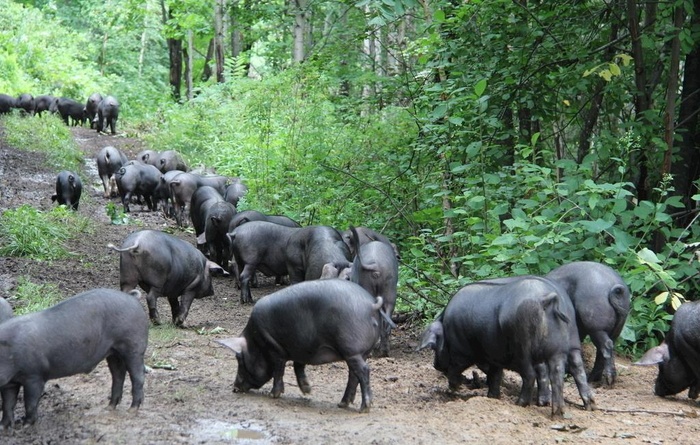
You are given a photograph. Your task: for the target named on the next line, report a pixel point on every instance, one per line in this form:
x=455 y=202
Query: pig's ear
x=236 y=344
x=654 y=356
x=215 y=269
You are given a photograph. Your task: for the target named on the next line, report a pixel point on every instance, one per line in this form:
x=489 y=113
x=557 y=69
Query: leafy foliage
x=116 y=215
x=296 y=150
x=29 y=232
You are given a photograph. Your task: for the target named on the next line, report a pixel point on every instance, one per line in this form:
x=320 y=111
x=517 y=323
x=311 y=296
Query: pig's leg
x=106 y=184
x=350 y=389
x=33 y=389
x=9 y=400
x=184 y=309
x=384 y=338
x=277 y=378
x=176 y=310
x=302 y=380
x=360 y=369
x=247 y=274
x=126 y=199
x=604 y=366
x=135 y=366
x=118 y=370
x=112 y=187
x=544 y=395
x=493 y=381
x=151 y=299
x=528 y=375
x=556 y=366
x=575 y=367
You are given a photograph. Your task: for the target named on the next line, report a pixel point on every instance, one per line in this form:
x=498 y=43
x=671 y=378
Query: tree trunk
x=300 y=30
x=188 y=64
x=671 y=90
x=686 y=167
x=590 y=117
x=642 y=99
x=175 y=56
x=206 y=71
x=219 y=39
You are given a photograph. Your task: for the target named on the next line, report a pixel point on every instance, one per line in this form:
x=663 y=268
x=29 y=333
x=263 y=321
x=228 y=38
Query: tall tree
x=174 y=41
x=685 y=166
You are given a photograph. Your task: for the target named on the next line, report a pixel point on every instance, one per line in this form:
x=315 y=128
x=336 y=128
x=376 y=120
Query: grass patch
x=31 y=297
x=47 y=134
x=29 y=232
x=163 y=334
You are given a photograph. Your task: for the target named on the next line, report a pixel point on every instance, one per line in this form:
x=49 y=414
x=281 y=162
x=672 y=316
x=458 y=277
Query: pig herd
x=338 y=305
x=100 y=111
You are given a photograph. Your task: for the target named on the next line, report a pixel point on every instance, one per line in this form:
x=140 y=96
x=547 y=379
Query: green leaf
x=614 y=69
x=439 y=16
x=417 y=253
x=480 y=87
x=596 y=226
x=647 y=256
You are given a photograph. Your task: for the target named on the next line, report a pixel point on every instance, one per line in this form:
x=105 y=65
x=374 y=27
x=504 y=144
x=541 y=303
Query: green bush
x=28 y=232
x=48 y=135
x=299 y=152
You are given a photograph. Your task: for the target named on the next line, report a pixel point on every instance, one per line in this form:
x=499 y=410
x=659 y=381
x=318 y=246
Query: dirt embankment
x=189 y=396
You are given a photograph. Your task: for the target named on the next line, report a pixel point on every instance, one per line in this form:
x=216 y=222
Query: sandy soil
x=189 y=396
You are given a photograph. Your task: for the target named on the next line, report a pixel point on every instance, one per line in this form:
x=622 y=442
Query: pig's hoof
x=343 y=404
x=590 y=405
x=305 y=389
x=364 y=409
x=155 y=321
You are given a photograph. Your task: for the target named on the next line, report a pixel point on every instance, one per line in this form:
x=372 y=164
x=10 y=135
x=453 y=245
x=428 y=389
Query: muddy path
x=189 y=396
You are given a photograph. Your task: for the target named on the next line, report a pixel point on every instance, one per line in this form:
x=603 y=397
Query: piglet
x=68 y=189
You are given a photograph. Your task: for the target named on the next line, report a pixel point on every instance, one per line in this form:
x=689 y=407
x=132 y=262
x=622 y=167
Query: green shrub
x=47 y=134
x=29 y=232
x=31 y=297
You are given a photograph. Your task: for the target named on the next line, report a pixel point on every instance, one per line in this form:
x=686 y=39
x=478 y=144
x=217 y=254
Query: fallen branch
x=681 y=413
x=693 y=414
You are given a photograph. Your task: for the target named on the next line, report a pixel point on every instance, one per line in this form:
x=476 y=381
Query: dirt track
x=193 y=402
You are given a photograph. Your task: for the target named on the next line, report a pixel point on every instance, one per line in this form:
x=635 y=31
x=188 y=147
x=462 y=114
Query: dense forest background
x=486 y=138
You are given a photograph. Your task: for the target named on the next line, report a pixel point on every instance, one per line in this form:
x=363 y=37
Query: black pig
x=107 y=114
x=91 y=108
x=7 y=103
x=678 y=356
x=313 y=322
x=42 y=103
x=258 y=245
x=602 y=302
x=165 y=266
x=109 y=161
x=70 y=338
x=515 y=324
x=68 y=189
